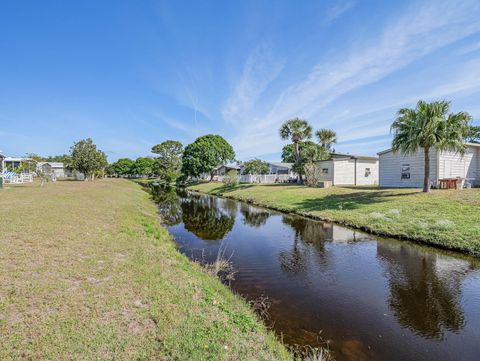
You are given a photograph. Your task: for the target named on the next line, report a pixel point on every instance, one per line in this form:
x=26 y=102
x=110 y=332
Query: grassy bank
x=88 y=273
x=444 y=218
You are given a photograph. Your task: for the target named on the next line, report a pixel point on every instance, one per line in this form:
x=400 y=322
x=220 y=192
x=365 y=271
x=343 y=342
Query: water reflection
x=254 y=216
x=208 y=218
x=168 y=204
x=424 y=296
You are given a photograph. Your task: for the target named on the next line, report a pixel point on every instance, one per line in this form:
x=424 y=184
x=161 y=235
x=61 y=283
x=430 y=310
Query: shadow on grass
x=348 y=201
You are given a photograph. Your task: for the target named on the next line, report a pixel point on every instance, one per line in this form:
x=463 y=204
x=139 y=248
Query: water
x=364 y=297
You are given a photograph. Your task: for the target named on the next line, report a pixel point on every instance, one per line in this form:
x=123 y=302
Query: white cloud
x=260 y=69
x=421 y=31
x=340 y=9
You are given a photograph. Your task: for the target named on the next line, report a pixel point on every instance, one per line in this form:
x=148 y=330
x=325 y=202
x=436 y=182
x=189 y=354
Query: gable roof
x=281 y=164
x=55 y=164
x=390 y=149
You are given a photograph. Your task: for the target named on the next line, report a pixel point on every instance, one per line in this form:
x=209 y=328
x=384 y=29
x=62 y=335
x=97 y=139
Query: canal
x=363 y=297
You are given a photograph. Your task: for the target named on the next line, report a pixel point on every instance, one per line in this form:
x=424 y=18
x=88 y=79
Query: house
x=280 y=168
x=225 y=168
x=407 y=170
x=349 y=169
x=55 y=168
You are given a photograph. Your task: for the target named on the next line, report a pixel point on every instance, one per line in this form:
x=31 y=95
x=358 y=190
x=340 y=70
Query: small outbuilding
x=401 y=170
x=55 y=168
x=349 y=169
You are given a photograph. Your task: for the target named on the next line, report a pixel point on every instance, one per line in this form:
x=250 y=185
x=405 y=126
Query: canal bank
x=89 y=272
x=364 y=298
x=443 y=219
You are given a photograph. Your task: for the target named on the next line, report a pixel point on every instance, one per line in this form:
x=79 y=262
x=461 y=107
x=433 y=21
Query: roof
x=467 y=144
x=55 y=164
x=351 y=156
x=229 y=165
x=17 y=159
x=281 y=164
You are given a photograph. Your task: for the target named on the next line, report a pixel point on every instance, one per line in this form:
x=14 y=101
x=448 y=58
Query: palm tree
x=428 y=126
x=297 y=130
x=326 y=138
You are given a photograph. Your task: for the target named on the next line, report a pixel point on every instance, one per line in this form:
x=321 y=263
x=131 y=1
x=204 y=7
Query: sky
x=131 y=74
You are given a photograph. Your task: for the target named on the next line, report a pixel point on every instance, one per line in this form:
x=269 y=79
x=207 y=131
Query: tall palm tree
x=297 y=130
x=428 y=126
x=326 y=138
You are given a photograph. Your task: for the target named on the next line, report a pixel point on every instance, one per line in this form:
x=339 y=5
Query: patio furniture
x=450 y=183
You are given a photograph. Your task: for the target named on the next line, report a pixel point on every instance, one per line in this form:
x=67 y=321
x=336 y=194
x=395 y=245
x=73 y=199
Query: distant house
x=349 y=169
x=2 y=162
x=55 y=168
x=280 y=168
x=223 y=169
x=402 y=170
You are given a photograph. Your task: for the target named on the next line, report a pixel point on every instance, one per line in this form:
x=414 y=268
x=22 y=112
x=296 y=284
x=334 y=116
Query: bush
x=231 y=178
x=313 y=175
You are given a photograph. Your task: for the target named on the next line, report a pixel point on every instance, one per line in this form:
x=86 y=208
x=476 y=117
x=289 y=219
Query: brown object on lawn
x=449 y=183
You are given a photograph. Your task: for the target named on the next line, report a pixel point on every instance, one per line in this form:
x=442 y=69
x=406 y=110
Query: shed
x=349 y=169
x=56 y=168
x=407 y=170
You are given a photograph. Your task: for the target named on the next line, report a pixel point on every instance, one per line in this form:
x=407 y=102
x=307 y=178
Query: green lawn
x=445 y=218
x=88 y=273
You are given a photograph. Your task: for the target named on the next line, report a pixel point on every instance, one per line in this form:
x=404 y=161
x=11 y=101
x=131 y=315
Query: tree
x=206 y=153
x=168 y=163
x=297 y=130
x=326 y=138
x=310 y=152
x=143 y=166
x=256 y=166
x=86 y=158
x=122 y=167
x=428 y=126
x=473 y=135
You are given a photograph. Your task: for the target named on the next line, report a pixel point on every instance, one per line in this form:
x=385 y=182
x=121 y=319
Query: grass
x=444 y=218
x=88 y=273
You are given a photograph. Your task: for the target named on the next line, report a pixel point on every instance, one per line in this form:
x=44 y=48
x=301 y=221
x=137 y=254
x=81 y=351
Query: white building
x=281 y=168
x=55 y=168
x=348 y=169
x=401 y=170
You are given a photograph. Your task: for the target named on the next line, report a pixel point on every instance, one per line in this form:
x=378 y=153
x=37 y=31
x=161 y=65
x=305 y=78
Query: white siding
x=328 y=166
x=453 y=165
x=344 y=172
x=390 y=169
x=362 y=178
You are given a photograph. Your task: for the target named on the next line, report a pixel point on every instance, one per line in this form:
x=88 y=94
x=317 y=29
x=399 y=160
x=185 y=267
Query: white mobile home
x=281 y=168
x=55 y=168
x=402 y=170
x=348 y=169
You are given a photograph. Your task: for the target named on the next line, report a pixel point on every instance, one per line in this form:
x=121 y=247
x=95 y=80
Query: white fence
x=260 y=178
x=12 y=178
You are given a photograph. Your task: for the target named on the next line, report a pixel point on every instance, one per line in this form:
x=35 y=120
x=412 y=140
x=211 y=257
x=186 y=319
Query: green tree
x=121 y=167
x=310 y=152
x=256 y=166
x=297 y=130
x=206 y=153
x=86 y=158
x=429 y=126
x=143 y=166
x=326 y=138
x=168 y=163
x=473 y=135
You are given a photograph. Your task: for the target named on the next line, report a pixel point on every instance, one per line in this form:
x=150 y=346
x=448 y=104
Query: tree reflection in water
x=254 y=216
x=308 y=235
x=169 y=205
x=203 y=217
x=424 y=295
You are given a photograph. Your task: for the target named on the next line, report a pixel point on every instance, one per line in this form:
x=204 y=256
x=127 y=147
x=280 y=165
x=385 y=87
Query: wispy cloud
x=340 y=9
x=260 y=69
x=421 y=31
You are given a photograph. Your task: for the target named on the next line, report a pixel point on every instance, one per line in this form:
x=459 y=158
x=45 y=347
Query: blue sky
x=131 y=74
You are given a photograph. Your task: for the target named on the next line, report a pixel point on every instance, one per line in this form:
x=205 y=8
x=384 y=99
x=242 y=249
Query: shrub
x=313 y=175
x=231 y=178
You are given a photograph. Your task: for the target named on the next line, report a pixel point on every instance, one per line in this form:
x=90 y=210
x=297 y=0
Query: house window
x=405 y=171
x=325 y=170
x=367 y=172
